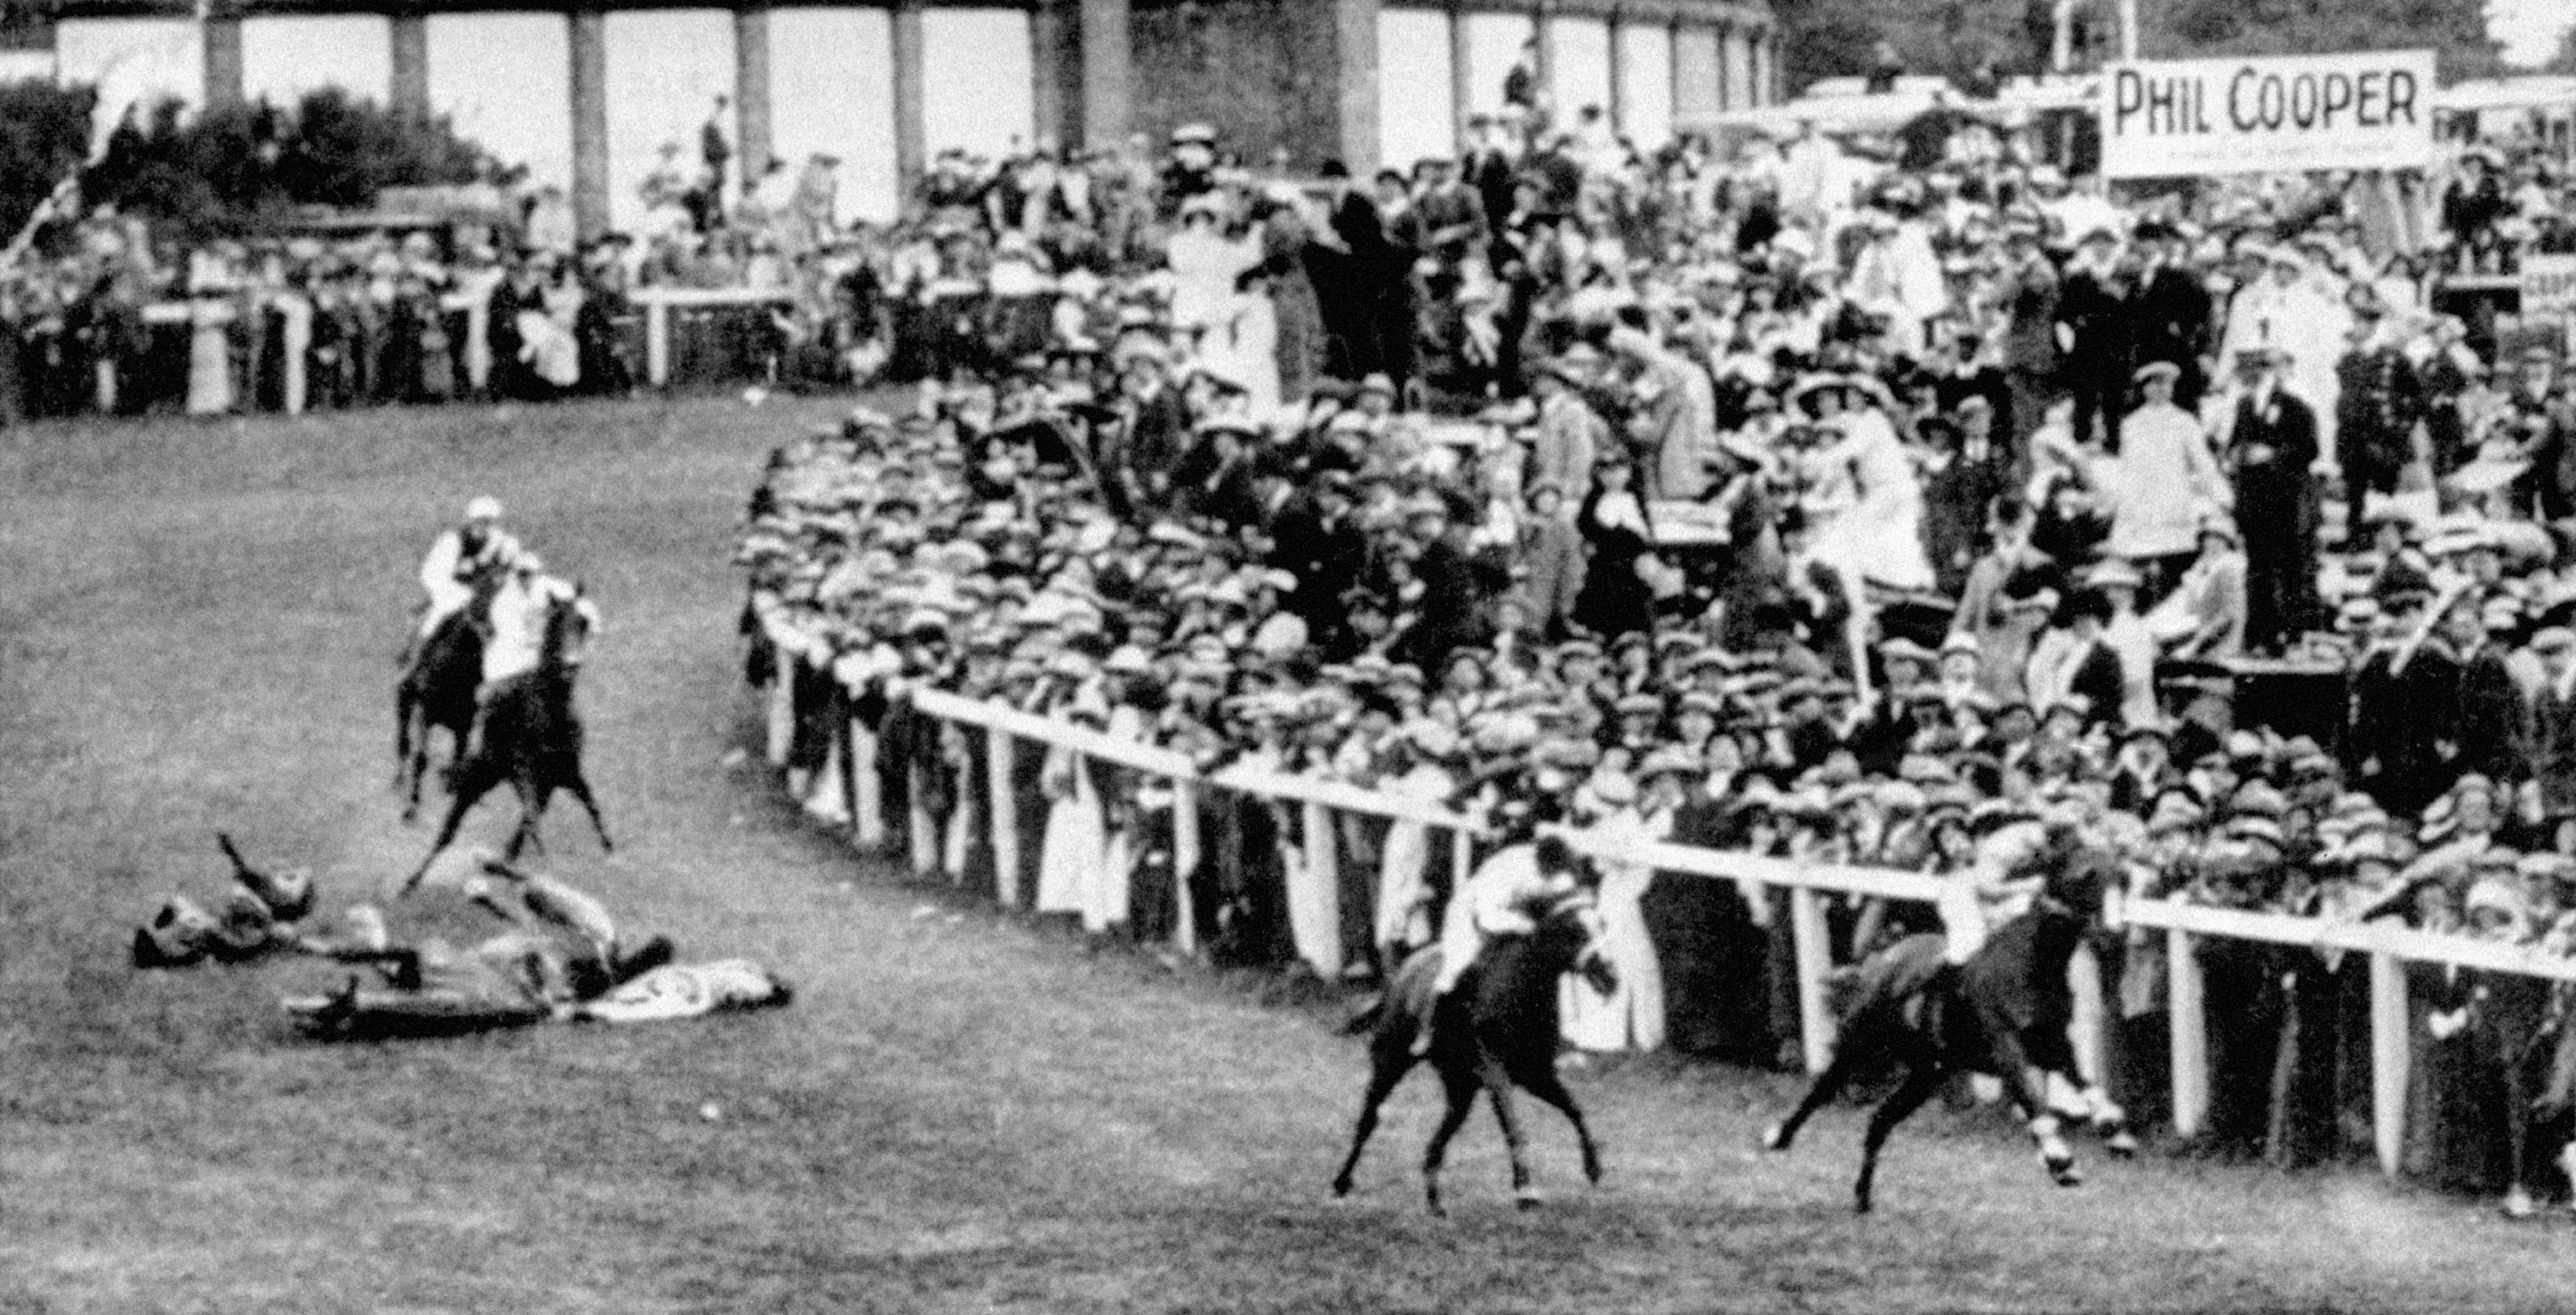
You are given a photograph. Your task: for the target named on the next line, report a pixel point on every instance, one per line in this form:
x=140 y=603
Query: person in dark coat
x=2170 y=314
x=2269 y=450
x=2403 y=698
x=2097 y=307
x=1446 y=616
x=2381 y=403
x=1312 y=538
x=2030 y=350
x=1615 y=599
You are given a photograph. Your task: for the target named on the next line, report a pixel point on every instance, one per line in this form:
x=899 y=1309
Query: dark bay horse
x=1497 y=1029
x=531 y=741
x=2002 y=1013
x=439 y=677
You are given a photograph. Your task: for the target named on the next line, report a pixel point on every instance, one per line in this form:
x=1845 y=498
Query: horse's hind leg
x=1547 y=1086
x=1388 y=1067
x=1919 y=1084
x=580 y=787
x=1461 y=1088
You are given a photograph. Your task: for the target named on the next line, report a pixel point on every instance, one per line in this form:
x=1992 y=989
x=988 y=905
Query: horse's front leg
x=1547 y=1086
x=532 y=810
x=1498 y=1088
x=2028 y=1087
x=1461 y=1088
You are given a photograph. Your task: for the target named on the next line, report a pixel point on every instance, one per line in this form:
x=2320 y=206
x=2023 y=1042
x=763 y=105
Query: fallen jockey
x=560 y=960
x=262 y=915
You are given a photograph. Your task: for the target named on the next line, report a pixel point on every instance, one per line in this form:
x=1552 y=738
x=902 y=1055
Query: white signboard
x=2172 y=118
x=2548 y=286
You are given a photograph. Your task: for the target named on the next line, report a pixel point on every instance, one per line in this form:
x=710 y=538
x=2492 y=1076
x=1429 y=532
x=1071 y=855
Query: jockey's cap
x=484 y=507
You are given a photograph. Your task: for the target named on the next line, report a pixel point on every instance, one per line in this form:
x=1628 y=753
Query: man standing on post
x=2269 y=449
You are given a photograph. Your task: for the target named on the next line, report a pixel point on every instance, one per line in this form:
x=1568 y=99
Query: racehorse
x=437 y=689
x=531 y=740
x=1497 y=1028
x=2002 y=1013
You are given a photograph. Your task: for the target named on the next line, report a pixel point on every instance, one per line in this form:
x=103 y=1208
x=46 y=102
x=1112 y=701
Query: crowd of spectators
x=1799 y=499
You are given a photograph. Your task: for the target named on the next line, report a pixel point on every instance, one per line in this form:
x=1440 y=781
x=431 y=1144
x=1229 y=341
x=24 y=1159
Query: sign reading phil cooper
x=2168 y=118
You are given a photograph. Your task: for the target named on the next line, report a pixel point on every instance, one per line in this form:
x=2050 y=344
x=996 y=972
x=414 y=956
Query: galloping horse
x=2003 y=1013
x=1496 y=1029
x=531 y=739
x=437 y=689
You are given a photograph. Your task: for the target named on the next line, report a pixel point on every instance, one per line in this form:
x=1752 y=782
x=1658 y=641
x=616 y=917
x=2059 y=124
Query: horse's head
x=2078 y=875
x=1570 y=936
x=567 y=630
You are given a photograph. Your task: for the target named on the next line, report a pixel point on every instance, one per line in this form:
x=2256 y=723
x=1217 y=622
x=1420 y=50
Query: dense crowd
x=1810 y=500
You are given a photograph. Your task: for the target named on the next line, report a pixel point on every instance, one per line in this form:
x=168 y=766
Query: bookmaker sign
x=2369 y=110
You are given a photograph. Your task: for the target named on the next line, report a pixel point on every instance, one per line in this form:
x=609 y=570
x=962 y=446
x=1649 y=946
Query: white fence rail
x=1807 y=886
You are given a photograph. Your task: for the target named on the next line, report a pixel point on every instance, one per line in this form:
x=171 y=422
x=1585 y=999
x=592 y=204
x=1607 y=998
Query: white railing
x=1806 y=885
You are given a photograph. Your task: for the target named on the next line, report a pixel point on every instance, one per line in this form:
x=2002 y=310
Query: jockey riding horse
x=2003 y=1011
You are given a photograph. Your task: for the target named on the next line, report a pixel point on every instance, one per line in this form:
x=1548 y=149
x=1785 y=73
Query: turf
x=962 y=1112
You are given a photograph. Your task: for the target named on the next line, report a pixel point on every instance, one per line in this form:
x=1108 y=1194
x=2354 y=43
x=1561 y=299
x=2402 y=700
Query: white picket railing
x=1807 y=885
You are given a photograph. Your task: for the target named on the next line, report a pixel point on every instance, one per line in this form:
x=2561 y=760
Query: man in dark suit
x=1153 y=434
x=2171 y=311
x=2269 y=449
x=1312 y=538
x=2030 y=347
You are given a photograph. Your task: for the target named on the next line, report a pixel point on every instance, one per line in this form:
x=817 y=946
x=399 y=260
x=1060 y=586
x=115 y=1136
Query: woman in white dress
x=1880 y=539
x=1069 y=855
x=1631 y=1015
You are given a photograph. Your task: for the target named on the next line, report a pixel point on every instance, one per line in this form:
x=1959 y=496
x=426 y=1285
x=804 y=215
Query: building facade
x=592 y=96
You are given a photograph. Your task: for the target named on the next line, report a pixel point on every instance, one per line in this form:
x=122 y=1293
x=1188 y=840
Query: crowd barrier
x=846 y=774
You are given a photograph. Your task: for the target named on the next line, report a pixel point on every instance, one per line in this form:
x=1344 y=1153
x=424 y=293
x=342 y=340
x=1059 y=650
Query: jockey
x=519 y=622
x=1998 y=885
x=461 y=553
x=1505 y=897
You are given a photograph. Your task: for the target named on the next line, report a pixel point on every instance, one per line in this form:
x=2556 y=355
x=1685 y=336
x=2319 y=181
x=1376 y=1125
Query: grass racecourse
x=962 y=1112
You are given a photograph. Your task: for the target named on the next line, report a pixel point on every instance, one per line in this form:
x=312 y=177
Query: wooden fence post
x=2189 y=1017
x=924 y=830
x=1315 y=907
x=2390 y=1039
x=2085 y=1031
x=867 y=789
x=782 y=706
x=1000 y=756
x=1815 y=957
x=1185 y=862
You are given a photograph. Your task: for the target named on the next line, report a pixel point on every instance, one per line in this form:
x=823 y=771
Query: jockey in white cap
x=1508 y=893
x=1996 y=887
x=519 y=622
x=476 y=544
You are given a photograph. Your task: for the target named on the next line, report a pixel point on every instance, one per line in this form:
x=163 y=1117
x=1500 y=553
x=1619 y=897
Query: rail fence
x=849 y=774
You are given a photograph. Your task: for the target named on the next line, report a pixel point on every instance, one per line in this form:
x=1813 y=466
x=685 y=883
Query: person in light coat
x=2166 y=480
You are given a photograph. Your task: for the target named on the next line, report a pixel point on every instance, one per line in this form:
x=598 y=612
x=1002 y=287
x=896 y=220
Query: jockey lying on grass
x=561 y=960
x=1505 y=897
x=472 y=547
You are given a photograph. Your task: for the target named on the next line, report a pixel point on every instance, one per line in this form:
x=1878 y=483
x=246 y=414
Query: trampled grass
x=961 y=1113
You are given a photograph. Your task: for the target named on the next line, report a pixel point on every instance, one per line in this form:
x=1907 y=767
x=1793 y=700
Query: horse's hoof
x=1860 y=1203
x=2519 y=1205
x=2066 y=1175
x=1527 y=1198
x=1775 y=1137
x=2122 y=1145
x=1341 y=1188
x=1592 y=1172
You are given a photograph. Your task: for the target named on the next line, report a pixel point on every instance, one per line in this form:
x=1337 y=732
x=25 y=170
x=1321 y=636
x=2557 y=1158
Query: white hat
x=483 y=507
